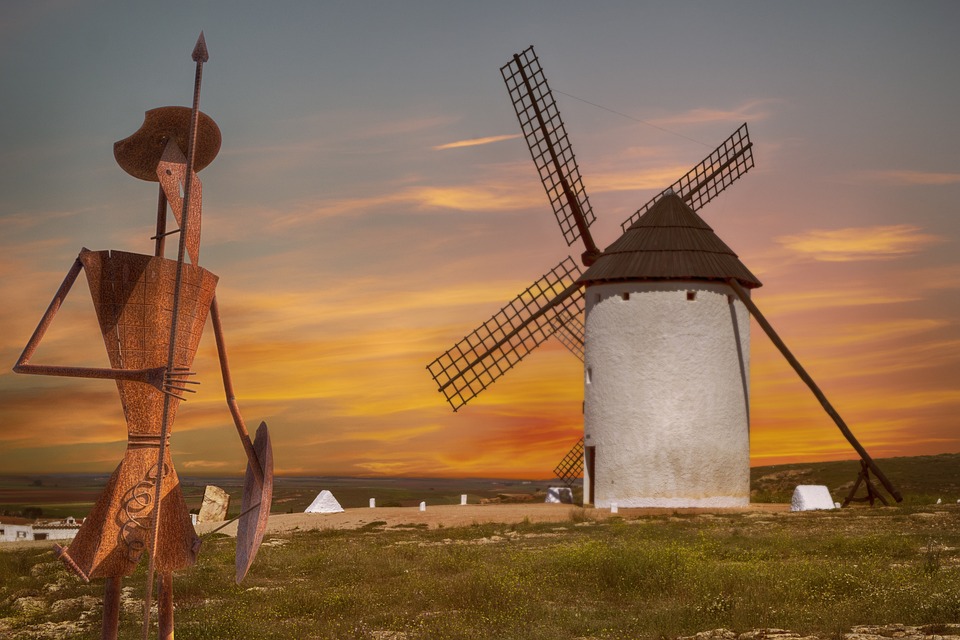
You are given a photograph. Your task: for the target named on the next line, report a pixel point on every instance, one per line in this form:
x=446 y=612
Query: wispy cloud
x=894 y=177
x=858 y=243
x=654 y=178
x=475 y=142
x=420 y=198
x=749 y=111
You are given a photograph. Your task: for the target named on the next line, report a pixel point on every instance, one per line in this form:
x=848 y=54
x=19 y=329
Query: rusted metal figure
x=151 y=312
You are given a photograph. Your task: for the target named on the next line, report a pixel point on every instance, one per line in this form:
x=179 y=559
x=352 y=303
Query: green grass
x=649 y=577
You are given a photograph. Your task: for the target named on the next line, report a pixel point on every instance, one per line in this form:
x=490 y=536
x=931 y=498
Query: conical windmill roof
x=669 y=242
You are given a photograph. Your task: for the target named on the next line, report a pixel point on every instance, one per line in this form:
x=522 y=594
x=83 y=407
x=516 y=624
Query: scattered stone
x=864 y=632
x=29 y=605
x=129 y=604
x=216 y=501
x=50 y=631
x=810 y=497
x=274 y=542
x=84 y=603
x=562 y=495
x=324 y=503
x=43 y=568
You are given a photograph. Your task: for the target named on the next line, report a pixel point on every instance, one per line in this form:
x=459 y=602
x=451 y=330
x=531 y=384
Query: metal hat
x=139 y=154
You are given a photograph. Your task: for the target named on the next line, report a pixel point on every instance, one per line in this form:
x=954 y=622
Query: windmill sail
x=571 y=466
x=568 y=329
x=708 y=179
x=549 y=146
x=477 y=361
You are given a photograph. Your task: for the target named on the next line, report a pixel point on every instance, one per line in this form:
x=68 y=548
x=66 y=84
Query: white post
x=423 y=506
x=373 y=503
x=463 y=498
x=613 y=507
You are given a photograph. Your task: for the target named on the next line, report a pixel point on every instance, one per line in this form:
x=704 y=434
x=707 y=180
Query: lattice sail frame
x=571 y=466
x=708 y=179
x=547 y=140
x=496 y=346
x=569 y=330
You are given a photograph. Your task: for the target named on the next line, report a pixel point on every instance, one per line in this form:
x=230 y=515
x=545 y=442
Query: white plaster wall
x=16 y=532
x=666 y=395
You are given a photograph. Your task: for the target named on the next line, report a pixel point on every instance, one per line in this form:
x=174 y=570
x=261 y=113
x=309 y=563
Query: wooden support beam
x=768 y=329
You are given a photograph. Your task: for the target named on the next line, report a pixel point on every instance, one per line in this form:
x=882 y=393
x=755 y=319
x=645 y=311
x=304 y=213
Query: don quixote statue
x=152 y=311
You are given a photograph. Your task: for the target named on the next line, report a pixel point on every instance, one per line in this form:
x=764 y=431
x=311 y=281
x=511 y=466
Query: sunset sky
x=373 y=202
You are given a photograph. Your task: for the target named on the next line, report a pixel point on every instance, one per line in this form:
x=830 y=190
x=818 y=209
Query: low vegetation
x=649 y=577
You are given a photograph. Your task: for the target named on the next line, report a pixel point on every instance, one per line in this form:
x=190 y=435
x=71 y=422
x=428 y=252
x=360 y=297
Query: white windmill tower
x=666 y=336
x=666 y=367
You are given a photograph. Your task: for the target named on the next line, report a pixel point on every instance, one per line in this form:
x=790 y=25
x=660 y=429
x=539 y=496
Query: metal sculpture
x=151 y=312
x=552 y=305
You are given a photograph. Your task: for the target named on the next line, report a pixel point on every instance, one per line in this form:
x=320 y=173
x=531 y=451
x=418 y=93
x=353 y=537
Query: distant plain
x=921 y=479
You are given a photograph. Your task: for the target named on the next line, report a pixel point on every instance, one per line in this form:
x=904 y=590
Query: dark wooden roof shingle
x=669 y=242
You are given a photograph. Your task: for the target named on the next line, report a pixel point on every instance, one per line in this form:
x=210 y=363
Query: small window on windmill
x=691 y=296
x=589 y=376
x=625 y=295
x=597 y=300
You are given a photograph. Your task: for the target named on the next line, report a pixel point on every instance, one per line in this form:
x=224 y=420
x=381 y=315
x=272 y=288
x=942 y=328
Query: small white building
x=15 y=529
x=667 y=367
x=22 y=530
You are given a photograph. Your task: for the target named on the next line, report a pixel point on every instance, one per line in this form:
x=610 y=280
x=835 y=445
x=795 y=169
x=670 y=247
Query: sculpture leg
x=111 y=609
x=165 y=606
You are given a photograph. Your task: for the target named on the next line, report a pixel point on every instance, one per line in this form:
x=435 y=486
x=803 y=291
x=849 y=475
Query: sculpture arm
x=231 y=397
x=154 y=376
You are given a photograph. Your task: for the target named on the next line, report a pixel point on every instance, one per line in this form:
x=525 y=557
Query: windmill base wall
x=666 y=395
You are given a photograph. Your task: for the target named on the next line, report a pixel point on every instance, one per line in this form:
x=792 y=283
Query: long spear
x=199 y=56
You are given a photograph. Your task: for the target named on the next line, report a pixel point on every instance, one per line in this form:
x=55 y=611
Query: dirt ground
x=458 y=516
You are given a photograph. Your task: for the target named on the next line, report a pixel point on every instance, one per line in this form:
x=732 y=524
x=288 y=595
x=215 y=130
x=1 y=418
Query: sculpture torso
x=133 y=296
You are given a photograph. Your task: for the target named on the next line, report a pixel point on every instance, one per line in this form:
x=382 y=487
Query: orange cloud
x=474 y=142
x=490 y=197
x=748 y=112
x=655 y=178
x=858 y=243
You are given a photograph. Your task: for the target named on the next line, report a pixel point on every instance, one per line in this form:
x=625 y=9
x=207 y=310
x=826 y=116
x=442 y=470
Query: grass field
x=649 y=577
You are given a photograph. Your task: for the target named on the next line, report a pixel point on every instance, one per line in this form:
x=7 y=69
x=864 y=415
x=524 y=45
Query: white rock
x=216 y=502
x=560 y=494
x=808 y=497
x=324 y=503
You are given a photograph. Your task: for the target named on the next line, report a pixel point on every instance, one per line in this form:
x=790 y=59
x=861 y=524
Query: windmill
x=665 y=336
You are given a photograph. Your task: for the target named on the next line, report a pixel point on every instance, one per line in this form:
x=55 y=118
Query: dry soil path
x=458 y=516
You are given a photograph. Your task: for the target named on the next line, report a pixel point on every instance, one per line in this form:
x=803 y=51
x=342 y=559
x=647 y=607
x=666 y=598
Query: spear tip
x=200 y=50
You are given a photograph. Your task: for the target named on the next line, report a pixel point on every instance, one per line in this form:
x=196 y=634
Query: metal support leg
x=111 y=609
x=165 y=605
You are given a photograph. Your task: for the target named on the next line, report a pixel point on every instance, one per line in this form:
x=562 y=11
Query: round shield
x=255 y=505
